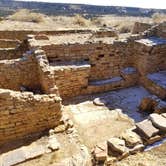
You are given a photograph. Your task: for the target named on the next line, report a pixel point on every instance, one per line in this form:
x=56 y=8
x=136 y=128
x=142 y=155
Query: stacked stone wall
x=18 y=73
x=22 y=114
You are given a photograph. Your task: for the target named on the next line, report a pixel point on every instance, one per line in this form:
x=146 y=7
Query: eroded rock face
x=131 y=138
x=116 y=145
x=158 y=121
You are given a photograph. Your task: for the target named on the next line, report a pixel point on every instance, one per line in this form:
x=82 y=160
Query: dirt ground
x=64 y=22
x=154 y=157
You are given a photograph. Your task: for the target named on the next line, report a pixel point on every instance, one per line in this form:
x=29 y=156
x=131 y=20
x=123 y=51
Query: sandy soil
x=154 y=157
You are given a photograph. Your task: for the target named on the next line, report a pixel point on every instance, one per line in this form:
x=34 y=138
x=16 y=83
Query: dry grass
x=25 y=15
x=25 y=19
x=81 y=21
x=121 y=23
x=158 y=17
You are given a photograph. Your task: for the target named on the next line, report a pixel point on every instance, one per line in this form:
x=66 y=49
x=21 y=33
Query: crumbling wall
x=70 y=80
x=22 y=34
x=106 y=60
x=18 y=73
x=148 y=59
x=22 y=114
x=140 y=27
x=161 y=30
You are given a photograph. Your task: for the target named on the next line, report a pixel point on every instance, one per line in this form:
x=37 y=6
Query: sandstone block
x=146 y=129
x=158 y=121
x=116 y=145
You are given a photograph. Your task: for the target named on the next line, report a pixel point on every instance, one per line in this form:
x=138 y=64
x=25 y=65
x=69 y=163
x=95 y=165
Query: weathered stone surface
x=137 y=148
x=146 y=129
x=117 y=145
x=18 y=109
x=131 y=138
x=22 y=154
x=158 y=121
x=60 y=128
x=100 y=152
x=153 y=139
x=53 y=143
x=148 y=104
x=164 y=115
x=100 y=101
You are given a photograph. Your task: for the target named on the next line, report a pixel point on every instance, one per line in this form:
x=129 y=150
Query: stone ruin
x=40 y=70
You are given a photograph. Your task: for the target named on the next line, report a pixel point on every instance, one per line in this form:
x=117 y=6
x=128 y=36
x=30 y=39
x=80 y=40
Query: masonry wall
x=106 y=60
x=161 y=30
x=21 y=35
x=18 y=73
x=71 y=80
x=148 y=59
x=22 y=114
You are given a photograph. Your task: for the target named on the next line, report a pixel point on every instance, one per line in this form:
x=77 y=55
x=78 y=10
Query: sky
x=159 y=4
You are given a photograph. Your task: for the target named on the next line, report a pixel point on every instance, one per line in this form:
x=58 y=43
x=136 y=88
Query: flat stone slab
x=158 y=121
x=117 y=145
x=145 y=128
x=100 y=151
x=131 y=138
x=22 y=154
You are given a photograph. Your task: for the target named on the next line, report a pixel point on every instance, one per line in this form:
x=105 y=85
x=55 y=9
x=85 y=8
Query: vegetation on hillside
x=27 y=16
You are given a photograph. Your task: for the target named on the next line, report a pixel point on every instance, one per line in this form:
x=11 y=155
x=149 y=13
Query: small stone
x=153 y=139
x=158 y=121
x=100 y=102
x=70 y=130
x=117 y=145
x=60 y=129
x=53 y=144
x=100 y=152
x=137 y=148
x=131 y=138
x=51 y=132
x=146 y=129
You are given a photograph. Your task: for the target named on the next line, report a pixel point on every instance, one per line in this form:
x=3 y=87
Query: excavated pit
x=88 y=87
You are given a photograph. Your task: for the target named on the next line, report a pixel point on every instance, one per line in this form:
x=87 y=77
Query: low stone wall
x=18 y=73
x=161 y=30
x=106 y=60
x=153 y=87
x=22 y=114
x=6 y=43
x=140 y=27
x=70 y=80
x=21 y=35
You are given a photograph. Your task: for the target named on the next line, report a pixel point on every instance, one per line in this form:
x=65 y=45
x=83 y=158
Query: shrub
x=27 y=16
x=80 y=20
x=159 y=17
x=1 y=19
